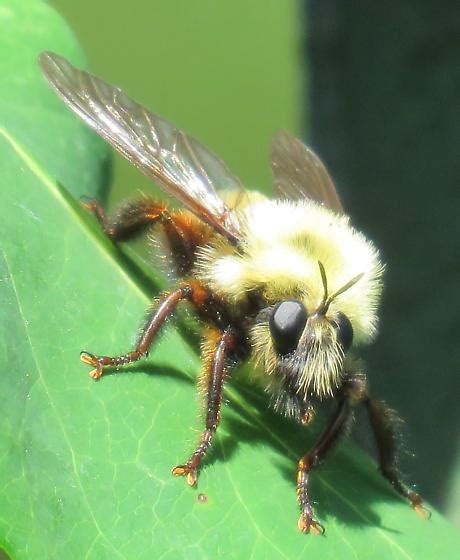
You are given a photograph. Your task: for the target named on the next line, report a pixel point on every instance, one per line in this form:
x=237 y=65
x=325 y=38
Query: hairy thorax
x=285 y=246
x=278 y=260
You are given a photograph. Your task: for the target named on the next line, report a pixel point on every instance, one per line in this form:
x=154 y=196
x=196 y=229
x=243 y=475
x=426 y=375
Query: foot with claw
x=88 y=203
x=186 y=470
x=190 y=468
x=100 y=362
x=94 y=361
x=307 y=523
x=417 y=504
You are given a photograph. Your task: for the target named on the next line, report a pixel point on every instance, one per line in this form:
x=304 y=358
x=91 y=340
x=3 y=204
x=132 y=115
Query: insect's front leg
x=336 y=427
x=155 y=320
x=383 y=421
x=216 y=367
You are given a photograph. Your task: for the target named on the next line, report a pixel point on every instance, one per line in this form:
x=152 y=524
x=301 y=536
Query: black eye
x=344 y=330
x=286 y=325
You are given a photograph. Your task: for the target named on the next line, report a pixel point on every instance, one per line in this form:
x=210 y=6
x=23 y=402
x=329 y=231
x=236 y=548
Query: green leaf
x=85 y=466
x=63 y=145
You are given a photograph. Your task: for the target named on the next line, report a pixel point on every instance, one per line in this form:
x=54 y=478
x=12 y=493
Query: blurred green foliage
x=228 y=73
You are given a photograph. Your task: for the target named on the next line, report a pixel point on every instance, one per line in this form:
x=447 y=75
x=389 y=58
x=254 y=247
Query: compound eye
x=344 y=330
x=287 y=322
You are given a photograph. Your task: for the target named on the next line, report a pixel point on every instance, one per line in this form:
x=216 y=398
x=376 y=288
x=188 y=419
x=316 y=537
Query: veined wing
x=298 y=173
x=183 y=167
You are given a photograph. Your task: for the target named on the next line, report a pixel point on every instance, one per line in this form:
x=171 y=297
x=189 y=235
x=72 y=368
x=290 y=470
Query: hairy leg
x=352 y=392
x=130 y=219
x=166 y=306
x=216 y=367
x=183 y=231
x=383 y=421
x=336 y=427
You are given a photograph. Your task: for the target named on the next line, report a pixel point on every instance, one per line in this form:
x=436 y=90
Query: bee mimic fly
x=286 y=283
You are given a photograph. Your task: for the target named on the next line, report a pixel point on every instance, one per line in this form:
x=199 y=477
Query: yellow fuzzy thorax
x=282 y=244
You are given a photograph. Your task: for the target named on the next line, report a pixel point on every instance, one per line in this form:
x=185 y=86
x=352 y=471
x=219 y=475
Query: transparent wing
x=298 y=172
x=183 y=167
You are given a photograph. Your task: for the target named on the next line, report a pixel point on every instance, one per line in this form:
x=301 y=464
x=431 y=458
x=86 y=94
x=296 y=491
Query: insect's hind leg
x=383 y=421
x=165 y=308
x=131 y=219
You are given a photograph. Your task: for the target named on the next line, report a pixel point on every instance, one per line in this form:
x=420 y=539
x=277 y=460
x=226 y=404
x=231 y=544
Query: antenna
x=326 y=301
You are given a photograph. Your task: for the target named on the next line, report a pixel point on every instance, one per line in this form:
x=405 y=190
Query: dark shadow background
x=384 y=114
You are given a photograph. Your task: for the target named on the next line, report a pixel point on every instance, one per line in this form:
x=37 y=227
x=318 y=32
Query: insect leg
x=183 y=232
x=336 y=427
x=166 y=306
x=130 y=220
x=215 y=376
x=383 y=421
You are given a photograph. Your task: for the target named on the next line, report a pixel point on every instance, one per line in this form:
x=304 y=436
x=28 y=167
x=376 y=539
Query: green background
x=225 y=72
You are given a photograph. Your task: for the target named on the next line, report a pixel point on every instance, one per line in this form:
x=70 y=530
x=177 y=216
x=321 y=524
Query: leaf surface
x=62 y=144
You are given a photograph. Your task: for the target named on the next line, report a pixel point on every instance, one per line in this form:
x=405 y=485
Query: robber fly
x=286 y=283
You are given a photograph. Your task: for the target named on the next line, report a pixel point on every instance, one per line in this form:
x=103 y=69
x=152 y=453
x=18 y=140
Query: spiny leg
x=336 y=427
x=134 y=218
x=383 y=421
x=214 y=393
x=130 y=220
x=166 y=306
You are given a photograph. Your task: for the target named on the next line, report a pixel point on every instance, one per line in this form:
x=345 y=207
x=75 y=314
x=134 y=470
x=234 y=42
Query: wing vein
x=179 y=164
